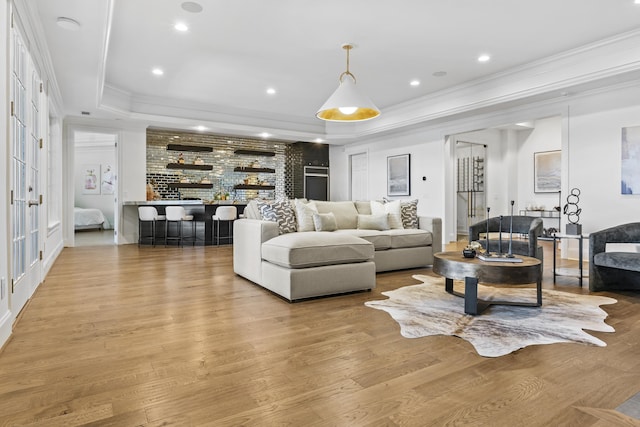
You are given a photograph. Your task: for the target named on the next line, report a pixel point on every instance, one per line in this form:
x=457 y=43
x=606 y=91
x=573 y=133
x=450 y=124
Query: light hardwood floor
x=129 y=336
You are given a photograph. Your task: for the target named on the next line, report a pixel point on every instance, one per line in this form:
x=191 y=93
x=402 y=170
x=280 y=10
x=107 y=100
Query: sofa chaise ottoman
x=304 y=264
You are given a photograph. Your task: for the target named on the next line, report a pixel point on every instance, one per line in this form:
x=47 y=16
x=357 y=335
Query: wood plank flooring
x=128 y=336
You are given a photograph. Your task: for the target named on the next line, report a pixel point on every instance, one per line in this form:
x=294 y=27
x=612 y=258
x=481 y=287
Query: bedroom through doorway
x=94 y=207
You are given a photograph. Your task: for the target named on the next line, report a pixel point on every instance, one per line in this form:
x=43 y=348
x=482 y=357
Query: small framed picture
x=91 y=179
x=399 y=175
x=547 y=169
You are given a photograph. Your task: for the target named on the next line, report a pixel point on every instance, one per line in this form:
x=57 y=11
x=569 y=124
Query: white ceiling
x=218 y=71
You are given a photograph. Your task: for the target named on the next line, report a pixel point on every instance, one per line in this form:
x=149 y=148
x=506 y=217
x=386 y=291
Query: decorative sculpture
x=572 y=211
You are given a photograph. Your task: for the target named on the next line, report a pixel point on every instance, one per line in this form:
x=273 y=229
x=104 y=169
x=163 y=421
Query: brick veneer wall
x=223 y=160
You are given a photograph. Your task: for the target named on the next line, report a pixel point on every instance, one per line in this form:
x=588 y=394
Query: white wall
x=594 y=167
x=586 y=128
x=546 y=136
x=426 y=161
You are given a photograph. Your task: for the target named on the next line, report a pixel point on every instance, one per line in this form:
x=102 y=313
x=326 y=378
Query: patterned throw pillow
x=281 y=212
x=409 y=212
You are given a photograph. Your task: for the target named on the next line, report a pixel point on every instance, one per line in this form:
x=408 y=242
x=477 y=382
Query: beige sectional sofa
x=305 y=264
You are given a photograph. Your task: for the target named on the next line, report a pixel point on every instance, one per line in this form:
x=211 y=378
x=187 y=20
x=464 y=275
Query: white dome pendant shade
x=347 y=104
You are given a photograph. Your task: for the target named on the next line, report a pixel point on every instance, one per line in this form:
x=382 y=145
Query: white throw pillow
x=373 y=222
x=304 y=212
x=390 y=208
x=325 y=222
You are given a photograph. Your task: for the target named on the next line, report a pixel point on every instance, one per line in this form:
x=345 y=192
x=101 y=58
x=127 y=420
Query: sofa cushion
x=280 y=212
x=409 y=238
x=620 y=260
x=373 y=222
x=325 y=222
x=345 y=212
x=363 y=207
x=304 y=213
x=409 y=213
x=390 y=208
x=380 y=240
x=303 y=250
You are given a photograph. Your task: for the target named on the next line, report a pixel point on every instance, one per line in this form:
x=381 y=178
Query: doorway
x=359 y=174
x=471 y=199
x=95 y=212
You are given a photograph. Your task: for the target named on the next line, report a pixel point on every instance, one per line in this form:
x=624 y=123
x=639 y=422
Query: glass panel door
x=26 y=102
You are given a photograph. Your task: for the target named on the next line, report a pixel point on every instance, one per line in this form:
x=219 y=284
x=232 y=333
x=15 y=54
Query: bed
x=88 y=219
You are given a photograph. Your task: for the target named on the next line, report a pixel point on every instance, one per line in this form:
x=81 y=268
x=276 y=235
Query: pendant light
x=347 y=104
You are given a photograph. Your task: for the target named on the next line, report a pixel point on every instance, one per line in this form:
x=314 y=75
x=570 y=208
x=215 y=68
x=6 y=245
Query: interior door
x=470 y=177
x=26 y=194
x=359 y=175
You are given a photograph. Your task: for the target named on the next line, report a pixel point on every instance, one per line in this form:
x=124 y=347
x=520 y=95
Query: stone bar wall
x=223 y=160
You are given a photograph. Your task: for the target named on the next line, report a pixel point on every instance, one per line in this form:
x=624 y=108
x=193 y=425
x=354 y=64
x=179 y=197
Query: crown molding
x=610 y=61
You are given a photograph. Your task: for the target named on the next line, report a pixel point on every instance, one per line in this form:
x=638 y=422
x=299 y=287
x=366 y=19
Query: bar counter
x=202 y=213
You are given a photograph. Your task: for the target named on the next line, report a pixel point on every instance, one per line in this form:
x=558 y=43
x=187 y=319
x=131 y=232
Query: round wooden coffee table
x=453 y=266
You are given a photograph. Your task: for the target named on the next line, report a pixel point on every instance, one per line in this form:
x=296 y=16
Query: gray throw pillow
x=373 y=222
x=325 y=222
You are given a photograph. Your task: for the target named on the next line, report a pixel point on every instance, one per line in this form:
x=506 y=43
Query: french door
x=470 y=182
x=26 y=196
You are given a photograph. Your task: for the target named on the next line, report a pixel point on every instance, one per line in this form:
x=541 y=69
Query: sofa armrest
x=434 y=225
x=248 y=237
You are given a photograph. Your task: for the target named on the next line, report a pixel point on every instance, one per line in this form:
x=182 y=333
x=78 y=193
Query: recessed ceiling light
x=180 y=26
x=191 y=6
x=414 y=82
x=201 y=128
x=483 y=58
x=157 y=71
x=265 y=135
x=439 y=74
x=319 y=140
x=68 y=23
x=271 y=91
x=637 y=2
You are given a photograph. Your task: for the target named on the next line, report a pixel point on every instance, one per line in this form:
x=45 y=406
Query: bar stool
x=176 y=215
x=148 y=214
x=227 y=214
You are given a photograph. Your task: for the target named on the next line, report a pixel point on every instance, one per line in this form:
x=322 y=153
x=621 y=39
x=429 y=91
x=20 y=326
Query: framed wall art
x=91 y=179
x=399 y=175
x=630 y=166
x=547 y=168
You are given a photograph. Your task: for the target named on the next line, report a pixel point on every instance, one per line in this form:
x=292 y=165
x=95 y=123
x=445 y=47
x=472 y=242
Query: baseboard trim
x=6 y=329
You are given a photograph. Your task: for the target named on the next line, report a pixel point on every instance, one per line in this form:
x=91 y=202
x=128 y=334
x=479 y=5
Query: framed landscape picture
x=399 y=175
x=630 y=167
x=547 y=168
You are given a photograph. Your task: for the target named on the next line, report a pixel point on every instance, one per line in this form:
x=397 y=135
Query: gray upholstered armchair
x=614 y=270
x=523 y=225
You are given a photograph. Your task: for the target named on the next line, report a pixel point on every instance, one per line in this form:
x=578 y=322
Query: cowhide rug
x=423 y=310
